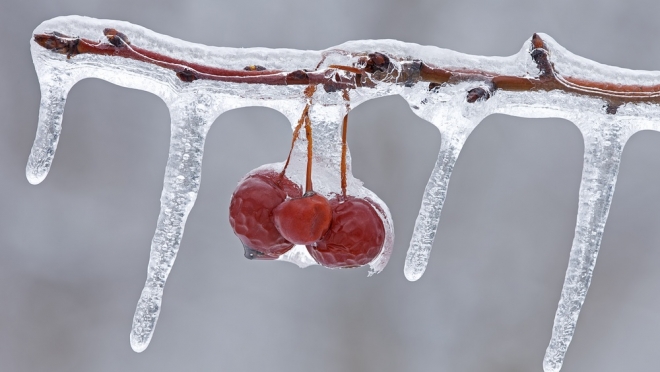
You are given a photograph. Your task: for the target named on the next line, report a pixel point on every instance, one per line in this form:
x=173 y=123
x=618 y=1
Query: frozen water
x=605 y=126
x=455 y=119
x=603 y=146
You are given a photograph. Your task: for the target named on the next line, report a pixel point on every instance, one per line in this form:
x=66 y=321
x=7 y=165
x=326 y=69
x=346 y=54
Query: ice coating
x=54 y=90
x=433 y=199
x=455 y=107
x=455 y=126
x=191 y=120
x=603 y=145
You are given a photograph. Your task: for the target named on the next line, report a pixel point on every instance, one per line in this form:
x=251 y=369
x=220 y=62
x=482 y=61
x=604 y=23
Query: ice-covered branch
x=371 y=68
x=451 y=90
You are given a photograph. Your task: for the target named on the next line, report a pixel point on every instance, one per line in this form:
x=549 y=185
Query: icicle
x=191 y=120
x=455 y=118
x=604 y=142
x=428 y=218
x=55 y=84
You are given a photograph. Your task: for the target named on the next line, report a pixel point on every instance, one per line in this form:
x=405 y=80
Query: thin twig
x=370 y=70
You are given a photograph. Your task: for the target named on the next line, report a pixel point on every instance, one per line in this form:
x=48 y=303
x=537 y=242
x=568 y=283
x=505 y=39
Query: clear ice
x=194 y=106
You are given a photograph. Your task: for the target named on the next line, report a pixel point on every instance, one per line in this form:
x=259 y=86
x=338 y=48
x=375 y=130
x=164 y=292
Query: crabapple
x=251 y=213
x=355 y=236
x=303 y=220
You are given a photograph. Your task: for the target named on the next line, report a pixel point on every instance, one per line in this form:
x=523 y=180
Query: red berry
x=303 y=220
x=251 y=213
x=355 y=237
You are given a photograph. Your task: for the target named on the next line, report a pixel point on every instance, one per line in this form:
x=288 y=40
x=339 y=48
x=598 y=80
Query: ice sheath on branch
x=453 y=91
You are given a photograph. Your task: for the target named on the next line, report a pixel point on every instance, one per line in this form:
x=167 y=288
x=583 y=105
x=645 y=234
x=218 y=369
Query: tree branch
x=370 y=70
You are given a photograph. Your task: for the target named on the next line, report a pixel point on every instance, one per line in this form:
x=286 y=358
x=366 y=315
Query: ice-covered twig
x=451 y=90
x=376 y=67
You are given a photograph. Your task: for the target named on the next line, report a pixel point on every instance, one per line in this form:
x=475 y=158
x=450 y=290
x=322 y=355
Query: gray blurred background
x=74 y=250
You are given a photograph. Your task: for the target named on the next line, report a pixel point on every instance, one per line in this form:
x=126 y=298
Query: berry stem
x=296 y=132
x=344 y=146
x=343 y=155
x=309 y=92
x=308 y=132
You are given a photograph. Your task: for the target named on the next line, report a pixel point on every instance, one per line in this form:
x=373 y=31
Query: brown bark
x=370 y=70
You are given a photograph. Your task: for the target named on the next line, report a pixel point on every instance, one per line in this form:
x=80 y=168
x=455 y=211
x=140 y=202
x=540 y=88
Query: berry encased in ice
x=303 y=220
x=251 y=213
x=355 y=237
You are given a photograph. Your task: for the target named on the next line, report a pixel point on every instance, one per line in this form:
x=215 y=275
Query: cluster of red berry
x=270 y=214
